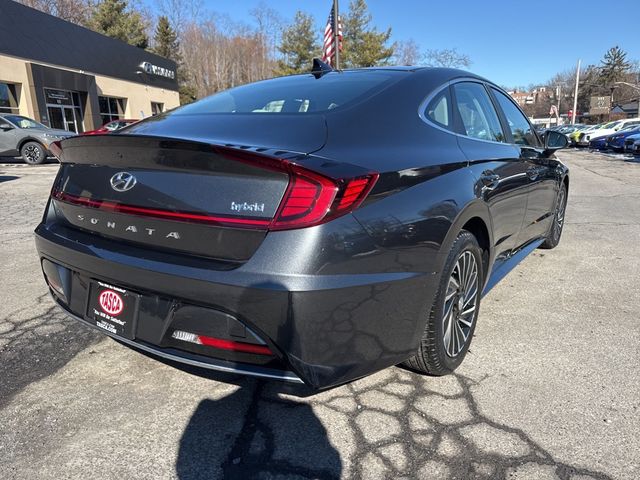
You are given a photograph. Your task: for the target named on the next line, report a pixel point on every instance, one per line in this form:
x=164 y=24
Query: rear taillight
x=312 y=199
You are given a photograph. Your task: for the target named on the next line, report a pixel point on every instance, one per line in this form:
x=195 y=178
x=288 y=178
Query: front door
x=496 y=165
x=541 y=177
x=63 y=107
x=56 y=117
x=63 y=118
x=70 y=120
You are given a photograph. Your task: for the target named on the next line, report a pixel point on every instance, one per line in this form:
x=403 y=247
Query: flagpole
x=336 y=33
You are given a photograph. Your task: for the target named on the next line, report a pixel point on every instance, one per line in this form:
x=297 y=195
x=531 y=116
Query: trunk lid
x=160 y=193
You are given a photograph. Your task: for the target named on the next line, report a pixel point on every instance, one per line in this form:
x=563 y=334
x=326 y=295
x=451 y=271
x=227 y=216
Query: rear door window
x=478 y=117
x=520 y=127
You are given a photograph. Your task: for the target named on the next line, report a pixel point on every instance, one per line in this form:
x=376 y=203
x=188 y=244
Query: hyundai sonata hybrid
x=312 y=228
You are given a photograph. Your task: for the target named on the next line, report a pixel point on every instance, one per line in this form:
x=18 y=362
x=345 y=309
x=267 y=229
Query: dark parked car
x=312 y=228
x=632 y=144
x=616 y=141
x=599 y=143
x=25 y=137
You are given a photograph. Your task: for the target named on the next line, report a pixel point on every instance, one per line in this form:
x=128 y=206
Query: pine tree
x=165 y=41
x=363 y=45
x=298 y=45
x=166 y=44
x=114 y=19
x=614 y=65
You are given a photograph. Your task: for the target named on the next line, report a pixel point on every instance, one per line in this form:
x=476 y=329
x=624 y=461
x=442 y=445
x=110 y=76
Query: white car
x=607 y=129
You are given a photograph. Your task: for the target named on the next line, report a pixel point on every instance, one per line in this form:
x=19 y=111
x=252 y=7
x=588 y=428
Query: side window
x=518 y=124
x=439 y=109
x=478 y=116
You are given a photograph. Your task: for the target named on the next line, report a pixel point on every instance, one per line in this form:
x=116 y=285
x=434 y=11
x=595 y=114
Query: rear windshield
x=296 y=94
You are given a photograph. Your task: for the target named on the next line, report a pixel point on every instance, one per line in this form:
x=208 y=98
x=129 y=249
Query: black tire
x=555 y=231
x=433 y=356
x=33 y=153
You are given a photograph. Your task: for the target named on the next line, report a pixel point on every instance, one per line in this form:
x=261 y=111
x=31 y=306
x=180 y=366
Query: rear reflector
x=221 y=343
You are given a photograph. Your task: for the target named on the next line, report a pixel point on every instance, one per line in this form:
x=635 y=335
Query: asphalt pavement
x=549 y=390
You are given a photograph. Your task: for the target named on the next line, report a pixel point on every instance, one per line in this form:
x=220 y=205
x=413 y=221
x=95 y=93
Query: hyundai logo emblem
x=123 y=181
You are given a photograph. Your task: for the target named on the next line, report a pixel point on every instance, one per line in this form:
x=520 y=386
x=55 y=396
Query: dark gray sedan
x=25 y=137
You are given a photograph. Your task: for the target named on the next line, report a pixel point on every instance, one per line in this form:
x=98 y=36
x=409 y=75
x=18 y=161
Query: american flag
x=329 y=44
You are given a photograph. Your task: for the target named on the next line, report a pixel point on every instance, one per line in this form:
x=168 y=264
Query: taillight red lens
x=312 y=199
x=307 y=200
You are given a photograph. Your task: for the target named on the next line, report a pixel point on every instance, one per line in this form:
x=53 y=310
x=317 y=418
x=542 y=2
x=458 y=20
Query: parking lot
x=550 y=388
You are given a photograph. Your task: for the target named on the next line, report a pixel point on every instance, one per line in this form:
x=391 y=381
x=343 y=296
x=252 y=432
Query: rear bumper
x=191 y=359
x=324 y=329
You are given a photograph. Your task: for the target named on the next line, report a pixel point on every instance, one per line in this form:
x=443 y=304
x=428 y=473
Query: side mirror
x=554 y=141
x=5 y=127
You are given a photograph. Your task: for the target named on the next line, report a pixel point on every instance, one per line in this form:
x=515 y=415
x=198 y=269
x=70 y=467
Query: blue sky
x=513 y=43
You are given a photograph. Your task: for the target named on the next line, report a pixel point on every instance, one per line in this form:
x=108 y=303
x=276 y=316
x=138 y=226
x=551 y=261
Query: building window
x=8 y=98
x=111 y=108
x=156 y=108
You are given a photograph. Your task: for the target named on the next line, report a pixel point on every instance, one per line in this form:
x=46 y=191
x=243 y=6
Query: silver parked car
x=23 y=136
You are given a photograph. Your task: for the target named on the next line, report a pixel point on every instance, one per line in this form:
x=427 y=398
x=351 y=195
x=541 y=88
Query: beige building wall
x=139 y=96
x=14 y=70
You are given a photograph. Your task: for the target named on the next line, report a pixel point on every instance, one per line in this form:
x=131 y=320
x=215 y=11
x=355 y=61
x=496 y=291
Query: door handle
x=490 y=180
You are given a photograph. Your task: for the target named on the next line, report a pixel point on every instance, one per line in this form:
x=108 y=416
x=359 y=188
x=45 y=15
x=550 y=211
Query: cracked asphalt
x=549 y=390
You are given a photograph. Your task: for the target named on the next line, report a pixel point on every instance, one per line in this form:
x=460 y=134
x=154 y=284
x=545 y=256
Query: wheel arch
x=31 y=139
x=476 y=219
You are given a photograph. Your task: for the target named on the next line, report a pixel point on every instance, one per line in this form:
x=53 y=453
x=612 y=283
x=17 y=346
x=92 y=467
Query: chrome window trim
x=422 y=108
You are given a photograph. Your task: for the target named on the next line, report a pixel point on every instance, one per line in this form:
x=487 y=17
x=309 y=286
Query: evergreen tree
x=165 y=41
x=363 y=45
x=614 y=65
x=166 y=44
x=114 y=19
x=298 y=45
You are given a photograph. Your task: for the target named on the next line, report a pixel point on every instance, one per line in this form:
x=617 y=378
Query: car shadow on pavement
x=7 y=178
x=277 y=437
x=390 y=425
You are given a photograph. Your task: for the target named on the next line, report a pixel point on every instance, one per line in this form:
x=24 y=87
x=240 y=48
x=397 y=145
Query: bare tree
x=180 y=13
x=74 y=11
x=269 y=28
x=447 y=57
x=407 y=52
x=218 y=54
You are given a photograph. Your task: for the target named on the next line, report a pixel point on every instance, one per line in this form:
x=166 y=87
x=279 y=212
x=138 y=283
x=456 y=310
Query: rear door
x=496 y=164
x=540 y=171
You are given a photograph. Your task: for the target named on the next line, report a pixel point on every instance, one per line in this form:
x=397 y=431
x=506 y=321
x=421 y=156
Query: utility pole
x=336 y=34
x=575 y=95
x=559 y=92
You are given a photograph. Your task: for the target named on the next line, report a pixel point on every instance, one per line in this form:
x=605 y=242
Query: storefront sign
x=600 y=105
x=58 y=97
x=152 y=69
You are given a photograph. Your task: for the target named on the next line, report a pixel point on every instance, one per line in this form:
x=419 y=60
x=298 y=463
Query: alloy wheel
x=32 y=153
x=460 y=303
x=560 y=209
